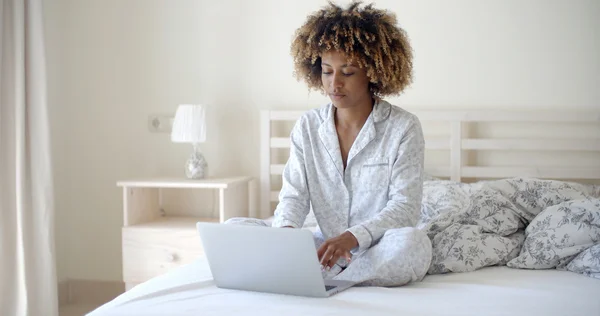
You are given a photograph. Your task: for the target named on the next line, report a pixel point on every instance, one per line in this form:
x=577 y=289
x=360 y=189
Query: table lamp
x=189 y=126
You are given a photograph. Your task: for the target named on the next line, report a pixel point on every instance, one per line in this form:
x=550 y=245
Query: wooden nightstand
x=160 y=217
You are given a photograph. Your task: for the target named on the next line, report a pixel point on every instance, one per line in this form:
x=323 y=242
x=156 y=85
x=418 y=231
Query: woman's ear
x=372 y=90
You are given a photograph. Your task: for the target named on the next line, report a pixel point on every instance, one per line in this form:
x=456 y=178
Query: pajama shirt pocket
x=374 y=174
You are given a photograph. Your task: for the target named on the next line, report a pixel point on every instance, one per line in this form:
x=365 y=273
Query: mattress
x=190 y=290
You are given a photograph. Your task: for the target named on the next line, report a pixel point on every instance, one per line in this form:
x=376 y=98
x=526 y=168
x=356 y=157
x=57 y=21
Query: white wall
x=112 y=63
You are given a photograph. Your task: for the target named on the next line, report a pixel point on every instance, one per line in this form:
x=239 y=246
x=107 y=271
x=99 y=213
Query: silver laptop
x=265 y=259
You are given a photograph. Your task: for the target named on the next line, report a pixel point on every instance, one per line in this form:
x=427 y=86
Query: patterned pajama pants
x=400 y=257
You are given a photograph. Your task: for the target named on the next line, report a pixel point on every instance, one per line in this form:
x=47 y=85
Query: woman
x=358 y=161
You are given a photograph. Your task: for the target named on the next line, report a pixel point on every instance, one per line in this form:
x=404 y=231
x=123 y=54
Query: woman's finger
x=348 y=256
x=327 y=256
x=334 y=258
x=322 y=250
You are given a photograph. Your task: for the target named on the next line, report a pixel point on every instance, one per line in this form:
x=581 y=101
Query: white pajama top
x=380 y=188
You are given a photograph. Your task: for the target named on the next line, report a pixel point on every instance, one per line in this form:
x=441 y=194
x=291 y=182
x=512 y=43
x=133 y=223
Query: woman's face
x=346 y=84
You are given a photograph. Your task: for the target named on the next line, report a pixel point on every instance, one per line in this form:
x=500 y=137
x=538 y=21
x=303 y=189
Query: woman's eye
x=331 y=72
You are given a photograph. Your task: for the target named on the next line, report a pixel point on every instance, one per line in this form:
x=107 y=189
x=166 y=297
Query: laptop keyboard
x=329 y=287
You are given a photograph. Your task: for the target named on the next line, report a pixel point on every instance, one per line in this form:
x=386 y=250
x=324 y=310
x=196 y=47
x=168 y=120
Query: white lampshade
x=189 y=125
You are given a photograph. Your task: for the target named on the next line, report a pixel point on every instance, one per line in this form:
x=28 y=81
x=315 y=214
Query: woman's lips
x=337 y=97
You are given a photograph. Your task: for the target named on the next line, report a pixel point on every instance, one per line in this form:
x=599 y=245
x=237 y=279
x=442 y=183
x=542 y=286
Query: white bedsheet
x=189 y=290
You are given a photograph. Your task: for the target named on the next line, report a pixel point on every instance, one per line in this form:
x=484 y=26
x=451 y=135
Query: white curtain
x=27 y=262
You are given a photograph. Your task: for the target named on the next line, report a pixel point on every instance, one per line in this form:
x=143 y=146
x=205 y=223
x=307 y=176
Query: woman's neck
x=354 y=117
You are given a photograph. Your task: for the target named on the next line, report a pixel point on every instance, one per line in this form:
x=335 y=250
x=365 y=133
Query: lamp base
x=196 y=166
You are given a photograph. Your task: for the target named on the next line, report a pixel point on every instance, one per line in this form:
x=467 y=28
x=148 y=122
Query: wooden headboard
x=461 y=133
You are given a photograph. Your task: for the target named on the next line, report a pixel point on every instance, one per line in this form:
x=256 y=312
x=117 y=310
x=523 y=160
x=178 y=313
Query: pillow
x=428 y=177
x=595 y=191
x=558 y=234
x=442 y=200
x=587 y=262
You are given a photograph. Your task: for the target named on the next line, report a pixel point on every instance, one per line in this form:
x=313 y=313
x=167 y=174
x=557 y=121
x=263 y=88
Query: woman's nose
x=337 y=81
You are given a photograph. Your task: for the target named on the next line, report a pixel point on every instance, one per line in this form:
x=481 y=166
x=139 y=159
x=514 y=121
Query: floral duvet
x=520 y=223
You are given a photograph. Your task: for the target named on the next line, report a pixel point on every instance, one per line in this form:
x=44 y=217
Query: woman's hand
x=337 y=247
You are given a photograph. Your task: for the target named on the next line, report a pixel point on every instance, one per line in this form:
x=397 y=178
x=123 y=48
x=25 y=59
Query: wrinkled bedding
x=520 y=223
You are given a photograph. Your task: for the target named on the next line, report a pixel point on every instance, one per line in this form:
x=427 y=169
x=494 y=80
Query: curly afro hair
x=369 y=38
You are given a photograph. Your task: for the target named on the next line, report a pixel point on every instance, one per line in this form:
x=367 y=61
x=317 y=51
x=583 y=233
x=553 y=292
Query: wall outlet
x=160 y=123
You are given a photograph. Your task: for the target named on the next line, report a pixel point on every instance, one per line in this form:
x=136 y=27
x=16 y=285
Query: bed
x=488 y=209
x=189 y=290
